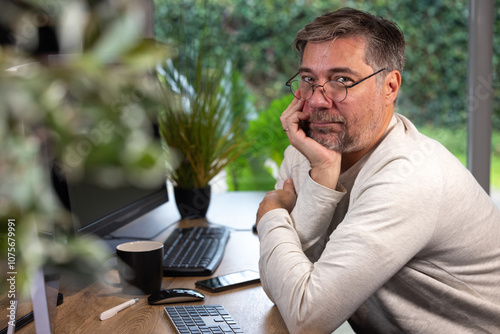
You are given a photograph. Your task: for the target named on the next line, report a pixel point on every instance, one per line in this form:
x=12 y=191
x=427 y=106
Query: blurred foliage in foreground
x=72 y=113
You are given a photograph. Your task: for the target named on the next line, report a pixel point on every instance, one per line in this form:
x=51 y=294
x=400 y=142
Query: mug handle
x=115 y=268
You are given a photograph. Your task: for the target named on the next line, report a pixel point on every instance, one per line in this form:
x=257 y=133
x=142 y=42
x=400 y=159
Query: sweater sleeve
x=313 y=214
x=315 y=205
x=375 y=240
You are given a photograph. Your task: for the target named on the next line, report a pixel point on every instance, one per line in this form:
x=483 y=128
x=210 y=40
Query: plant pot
x=192 y=203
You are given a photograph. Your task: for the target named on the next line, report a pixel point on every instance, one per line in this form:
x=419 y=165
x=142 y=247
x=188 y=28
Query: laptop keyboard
x=195 y=251
x=213 y=319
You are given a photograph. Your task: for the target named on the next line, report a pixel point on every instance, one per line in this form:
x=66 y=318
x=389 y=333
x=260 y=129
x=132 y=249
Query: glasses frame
x=289 y=84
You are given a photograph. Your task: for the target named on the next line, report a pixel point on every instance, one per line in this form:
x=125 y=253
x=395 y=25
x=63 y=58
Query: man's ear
x=391 y=86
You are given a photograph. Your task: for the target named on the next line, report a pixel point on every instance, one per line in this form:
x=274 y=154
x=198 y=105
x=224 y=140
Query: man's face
x=357 y=122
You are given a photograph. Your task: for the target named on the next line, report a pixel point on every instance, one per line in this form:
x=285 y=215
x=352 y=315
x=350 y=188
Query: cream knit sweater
x=412 y=244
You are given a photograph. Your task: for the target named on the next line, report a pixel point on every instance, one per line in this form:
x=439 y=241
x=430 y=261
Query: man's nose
x=319 y=98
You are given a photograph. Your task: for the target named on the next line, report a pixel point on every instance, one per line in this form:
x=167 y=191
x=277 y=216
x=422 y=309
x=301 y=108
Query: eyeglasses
x=335 y=90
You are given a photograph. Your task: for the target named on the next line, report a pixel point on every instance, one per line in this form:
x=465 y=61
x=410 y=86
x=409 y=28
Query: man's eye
x=308 y=79
x=344 y=79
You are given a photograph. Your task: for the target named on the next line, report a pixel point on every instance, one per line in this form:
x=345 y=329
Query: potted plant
x=202 y=121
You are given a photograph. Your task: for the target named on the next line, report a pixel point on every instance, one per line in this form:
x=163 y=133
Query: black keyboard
x=201 y=319
x=195 y=251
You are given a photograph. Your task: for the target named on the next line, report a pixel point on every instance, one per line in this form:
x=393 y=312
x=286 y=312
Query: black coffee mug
x=140 y=266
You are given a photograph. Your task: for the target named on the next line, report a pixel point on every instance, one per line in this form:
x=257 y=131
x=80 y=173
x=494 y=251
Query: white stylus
x=113 y=311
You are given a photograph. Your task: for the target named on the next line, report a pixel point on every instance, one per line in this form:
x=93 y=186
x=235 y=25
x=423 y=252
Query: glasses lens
x=335 y=90
x=301 y=89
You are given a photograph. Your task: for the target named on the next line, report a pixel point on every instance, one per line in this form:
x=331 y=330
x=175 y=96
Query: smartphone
x=304 y=125
x=229 y=281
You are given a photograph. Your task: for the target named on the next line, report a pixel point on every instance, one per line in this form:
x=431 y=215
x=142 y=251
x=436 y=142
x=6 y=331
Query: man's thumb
x=288 y=185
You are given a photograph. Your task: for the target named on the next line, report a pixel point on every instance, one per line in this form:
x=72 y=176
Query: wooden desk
x=249 y=306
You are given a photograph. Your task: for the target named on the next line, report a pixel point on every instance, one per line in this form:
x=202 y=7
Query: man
x=371 y=221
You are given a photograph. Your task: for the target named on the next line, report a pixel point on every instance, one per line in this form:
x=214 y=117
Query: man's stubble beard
x=337 y=141
x=343 y=141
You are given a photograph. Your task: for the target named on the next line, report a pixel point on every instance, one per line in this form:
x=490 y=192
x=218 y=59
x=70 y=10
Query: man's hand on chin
x=278 y=199
x=325 y=163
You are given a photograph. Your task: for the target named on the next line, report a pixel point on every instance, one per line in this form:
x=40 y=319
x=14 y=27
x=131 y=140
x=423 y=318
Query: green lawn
x=455 y=140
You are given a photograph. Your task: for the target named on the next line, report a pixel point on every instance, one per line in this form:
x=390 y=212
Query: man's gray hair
x=385 y=40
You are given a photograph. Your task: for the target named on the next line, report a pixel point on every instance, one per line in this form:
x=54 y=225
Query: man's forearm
x=313 y=212
x=326 y=176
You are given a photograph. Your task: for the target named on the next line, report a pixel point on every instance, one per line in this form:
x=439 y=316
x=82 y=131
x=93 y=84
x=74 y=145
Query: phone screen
x=229 y=281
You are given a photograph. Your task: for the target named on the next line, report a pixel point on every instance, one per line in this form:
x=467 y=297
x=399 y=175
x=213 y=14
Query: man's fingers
x=288 y=186
x=295 y=106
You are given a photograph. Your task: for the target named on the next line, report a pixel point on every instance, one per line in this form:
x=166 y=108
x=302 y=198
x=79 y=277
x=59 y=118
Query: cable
x=231 y=228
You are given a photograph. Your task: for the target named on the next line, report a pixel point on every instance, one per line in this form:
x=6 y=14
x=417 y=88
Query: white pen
x=113 y=311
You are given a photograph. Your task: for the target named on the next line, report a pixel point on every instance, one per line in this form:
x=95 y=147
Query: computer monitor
x=99 y=210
